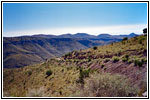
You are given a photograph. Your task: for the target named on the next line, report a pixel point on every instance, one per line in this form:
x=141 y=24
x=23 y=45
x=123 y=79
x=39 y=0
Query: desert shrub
x=95 y=48
x=115 y=59
x=106 y=60
x=144 y=60
x=11 y=80
x=102 y=66
x=68 y=54
x=119 y=53
x=105 y=85
x=83 y=74
x=69 y=68
x=125 y=38
x=29 y=72
x=125 y=58
x=49 y=72
x=105 y=68
x=130 y=61
x=62 y=70
x=141 y=39
x=60 y=92
x=138 y=63
x=89 y=59
x=36 y=93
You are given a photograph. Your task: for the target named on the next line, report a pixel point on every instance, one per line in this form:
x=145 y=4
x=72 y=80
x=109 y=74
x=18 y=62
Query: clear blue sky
x=25 y=18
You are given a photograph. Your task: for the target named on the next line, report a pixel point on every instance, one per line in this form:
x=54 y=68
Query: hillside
x=27 y=50
x=115 y=70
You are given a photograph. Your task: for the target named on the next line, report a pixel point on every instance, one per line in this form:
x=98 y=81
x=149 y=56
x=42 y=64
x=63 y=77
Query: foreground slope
x=118 y=69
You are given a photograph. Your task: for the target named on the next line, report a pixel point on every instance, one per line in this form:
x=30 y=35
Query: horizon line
x=112 y=30
x=74 y=34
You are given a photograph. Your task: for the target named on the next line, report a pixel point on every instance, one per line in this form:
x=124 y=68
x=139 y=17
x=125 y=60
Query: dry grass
x=23 y=82
x=105 y=85
x=36 y=92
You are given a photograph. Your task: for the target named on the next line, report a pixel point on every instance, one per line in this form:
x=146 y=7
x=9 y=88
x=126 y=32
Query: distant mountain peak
x=133 y=34
x=104 y=34
x=82 y=34
x=67 y=34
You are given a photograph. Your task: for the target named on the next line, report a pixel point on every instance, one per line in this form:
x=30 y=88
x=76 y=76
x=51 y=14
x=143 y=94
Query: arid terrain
x=118 y=69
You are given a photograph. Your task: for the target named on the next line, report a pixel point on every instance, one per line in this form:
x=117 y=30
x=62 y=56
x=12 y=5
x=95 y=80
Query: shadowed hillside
x=29 y=50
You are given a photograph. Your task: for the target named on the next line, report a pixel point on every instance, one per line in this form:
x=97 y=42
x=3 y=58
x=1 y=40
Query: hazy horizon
x=61 y=18
x=69 y=33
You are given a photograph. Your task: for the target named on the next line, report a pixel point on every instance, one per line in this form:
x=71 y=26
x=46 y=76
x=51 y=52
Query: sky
x=62 y=18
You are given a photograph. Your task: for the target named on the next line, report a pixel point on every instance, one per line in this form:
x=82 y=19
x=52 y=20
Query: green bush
x=119 y=53
x=125 y=58
x=29 y=72
x=69 y=68
x=144 y=60
x=89 y=59
x=130 y=61
x=141 y=39
x=138 y=63
x=83 y=74
x=68 y=54
x=106 y=60
x=102 y=66
x=125 y=38
x=95 y=47
x=115 y=59
x=49 y=72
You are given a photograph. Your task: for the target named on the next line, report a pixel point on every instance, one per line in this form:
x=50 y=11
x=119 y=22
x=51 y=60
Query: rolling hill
x=115 y=70
x=26 y=50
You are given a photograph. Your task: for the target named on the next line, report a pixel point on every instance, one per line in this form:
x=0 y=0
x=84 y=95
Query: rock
x=145 y=94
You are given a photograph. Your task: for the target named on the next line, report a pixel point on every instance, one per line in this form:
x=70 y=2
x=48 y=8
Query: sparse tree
x=125 y=38
x=95 y=47
x=48 y=73
x=145 y=31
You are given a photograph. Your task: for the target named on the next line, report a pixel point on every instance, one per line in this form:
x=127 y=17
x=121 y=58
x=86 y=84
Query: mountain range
x=26 y=50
